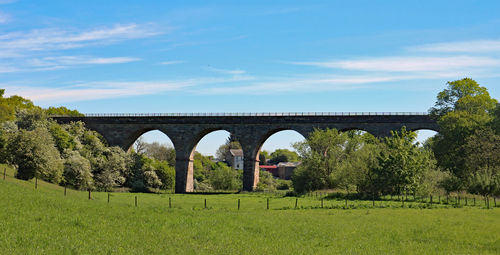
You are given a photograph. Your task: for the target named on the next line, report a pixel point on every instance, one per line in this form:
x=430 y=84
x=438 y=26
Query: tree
x=482 y=160
x=62 y=138
x=109 y=168
x=77 y=171
x=224 y=151
x=35 y=155
x=264 y=157
x=224 y=178
x=450 y=99
x=460 y=109
x=62 y=111
x=140 y=145
x=9 y=106
x=401 y=163
x=283 y=155
x=159 y=152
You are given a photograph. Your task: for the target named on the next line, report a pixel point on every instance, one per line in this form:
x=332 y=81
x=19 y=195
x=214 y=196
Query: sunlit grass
x=44 y=221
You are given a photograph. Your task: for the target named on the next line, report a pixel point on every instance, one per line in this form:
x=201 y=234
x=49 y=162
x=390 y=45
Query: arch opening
x=423 y=135
x=153 y=163
x=278 y=159
x=217 y=162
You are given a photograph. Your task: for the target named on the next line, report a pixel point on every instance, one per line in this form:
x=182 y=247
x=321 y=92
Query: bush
x=283 y=184
x=77 y=171
x=266 y=182
x=224 y=178
x=35 y=155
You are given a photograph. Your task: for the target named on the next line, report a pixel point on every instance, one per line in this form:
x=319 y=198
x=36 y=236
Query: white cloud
x=475 y=46
x=109 y=89
x=80 y=60
x=172 y=62
x=408 y=64
x=55 y=39
x=226 y=71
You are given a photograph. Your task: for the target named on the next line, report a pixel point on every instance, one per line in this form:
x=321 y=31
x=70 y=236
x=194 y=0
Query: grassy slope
x=43 y=221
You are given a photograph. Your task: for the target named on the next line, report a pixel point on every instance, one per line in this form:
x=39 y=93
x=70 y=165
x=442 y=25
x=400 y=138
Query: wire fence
x=251 y=114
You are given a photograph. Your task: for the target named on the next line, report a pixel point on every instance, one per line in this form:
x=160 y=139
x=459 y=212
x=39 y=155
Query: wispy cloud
x=225 y=71
x=316 y=83
x=475 y=46
x=56 y=39
x=172 y=62
x=84 y=91
x=7 y=1
x=408 y=64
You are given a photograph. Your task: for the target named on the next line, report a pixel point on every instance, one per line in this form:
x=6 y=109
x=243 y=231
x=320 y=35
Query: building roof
x=236 y=152
x=289 y=164
x=268 y=167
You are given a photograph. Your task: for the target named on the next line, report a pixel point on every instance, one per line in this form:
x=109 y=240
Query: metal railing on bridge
x=250 y=114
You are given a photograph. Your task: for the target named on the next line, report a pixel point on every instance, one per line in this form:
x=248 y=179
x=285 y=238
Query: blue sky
x=245 y=56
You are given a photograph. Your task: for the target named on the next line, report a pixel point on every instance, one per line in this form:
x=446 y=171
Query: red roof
x=268 y=167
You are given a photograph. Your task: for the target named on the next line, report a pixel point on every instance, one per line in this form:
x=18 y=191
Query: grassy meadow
x=44 y=221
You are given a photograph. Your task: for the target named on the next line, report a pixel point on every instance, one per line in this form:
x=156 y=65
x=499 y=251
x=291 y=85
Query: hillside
x=44 y=221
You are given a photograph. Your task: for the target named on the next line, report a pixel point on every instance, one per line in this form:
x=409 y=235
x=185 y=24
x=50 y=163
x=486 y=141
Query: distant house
x=286 y=169
x=236 y=159
x=283 y=170
x=273 y=169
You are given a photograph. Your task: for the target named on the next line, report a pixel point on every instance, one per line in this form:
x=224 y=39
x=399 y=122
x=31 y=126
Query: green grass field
x=44 y=221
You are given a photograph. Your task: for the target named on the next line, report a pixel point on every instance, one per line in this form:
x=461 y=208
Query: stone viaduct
x=251 y=130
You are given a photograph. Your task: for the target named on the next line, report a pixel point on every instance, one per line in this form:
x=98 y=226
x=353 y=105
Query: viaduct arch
x=251 y=130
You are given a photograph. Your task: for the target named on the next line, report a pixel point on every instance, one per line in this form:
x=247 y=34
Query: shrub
x=77 y=171
x=35 y=155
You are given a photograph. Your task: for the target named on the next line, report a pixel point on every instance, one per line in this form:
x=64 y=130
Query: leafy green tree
x=63 y=139
x=460 y=109
x=35 y=155
x=160 y=152
x=224 y=178
x=400 y=163
x=62 y=111
x=202 y=167
x=283 y=155
x=321 y=154
x=266 y=182
x=482 y=159
x=109 y=169
x=77 y=171
x=31 y=119
x=9 y=106
x=165 y=173
x=451 y=98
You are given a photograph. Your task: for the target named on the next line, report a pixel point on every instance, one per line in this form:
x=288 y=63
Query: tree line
x=463 y=157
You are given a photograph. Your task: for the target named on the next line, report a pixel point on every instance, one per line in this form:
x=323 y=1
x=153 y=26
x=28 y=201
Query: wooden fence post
x=205 y=203
x=296 y=202
x=4 y=172
x=169 y=202
x=135 y=201
x=64 y=190
x=90 y=197
x=238 y=204
x=267 y=203
x=36 y=183
x=108 y=197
